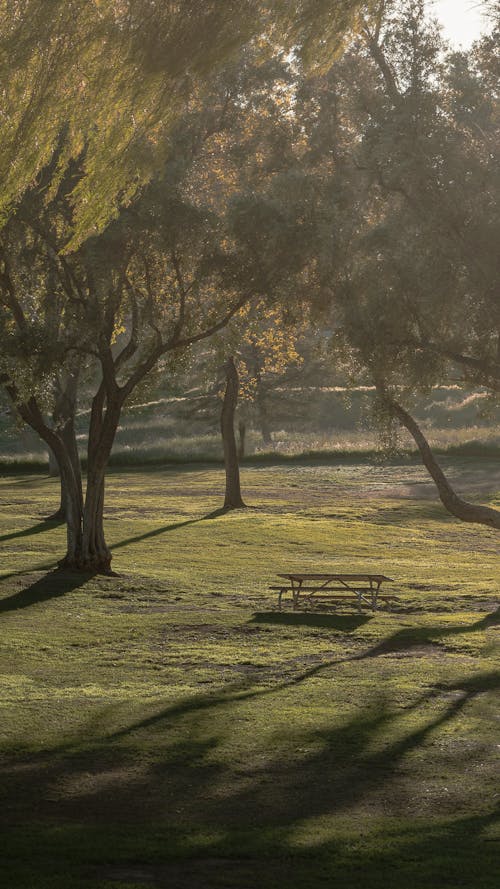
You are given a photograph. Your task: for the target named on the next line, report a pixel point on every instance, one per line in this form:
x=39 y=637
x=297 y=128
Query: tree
x=416 y=299
x=267 y=348
x=170 y=271
x=232 y=497
x=112 y=76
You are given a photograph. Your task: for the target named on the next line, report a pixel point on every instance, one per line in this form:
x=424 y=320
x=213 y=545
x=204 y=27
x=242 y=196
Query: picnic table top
x=332 y=576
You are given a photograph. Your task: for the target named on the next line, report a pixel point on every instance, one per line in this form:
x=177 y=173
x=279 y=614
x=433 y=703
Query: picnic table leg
x=359 y=594
x=296 y=593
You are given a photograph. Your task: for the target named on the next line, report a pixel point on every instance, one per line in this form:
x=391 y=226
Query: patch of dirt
x=489 y=605
x=428 y=650
x=216 y=630
x=161 y=609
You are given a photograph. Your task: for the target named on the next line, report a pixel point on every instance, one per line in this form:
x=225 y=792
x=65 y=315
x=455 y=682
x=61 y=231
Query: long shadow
x=341 y=772
x=405 y=639
x=46 y=566
x=52 y=586
x=241 y=691
x=174 y=527
x=336 y=769
x=46 y=525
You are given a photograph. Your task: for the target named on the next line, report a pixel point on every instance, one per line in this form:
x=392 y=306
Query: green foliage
x=111 y=77
x=401 y=142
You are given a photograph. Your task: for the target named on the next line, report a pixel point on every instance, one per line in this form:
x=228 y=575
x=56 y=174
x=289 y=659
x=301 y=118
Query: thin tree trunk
x=71 y=483
x=263 y=416
x=233 y=498
x=71 y=486
x=242 y=431
x=64 y=424
x=462 y=509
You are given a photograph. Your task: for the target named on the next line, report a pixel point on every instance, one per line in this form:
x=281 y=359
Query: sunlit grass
x=170 y=727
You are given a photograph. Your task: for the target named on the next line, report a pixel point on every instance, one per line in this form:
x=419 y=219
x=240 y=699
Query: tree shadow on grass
x=157 y=532
x=40 y=528
x=51 y=586
x=403 y=640
x=240 y=691
x=173 y=809
x=408 y=638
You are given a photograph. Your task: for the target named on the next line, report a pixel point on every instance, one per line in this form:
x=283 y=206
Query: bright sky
x=462 y=19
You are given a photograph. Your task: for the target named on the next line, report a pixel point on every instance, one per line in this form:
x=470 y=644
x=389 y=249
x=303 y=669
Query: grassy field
x=169 y=727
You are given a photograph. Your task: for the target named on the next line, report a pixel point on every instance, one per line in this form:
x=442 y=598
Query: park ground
x=168 y=727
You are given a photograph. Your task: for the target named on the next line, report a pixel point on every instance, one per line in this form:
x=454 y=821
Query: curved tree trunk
x=86 y=548
x=71 y=482
x=233 y=498
x=462 y=509
x=64 y=424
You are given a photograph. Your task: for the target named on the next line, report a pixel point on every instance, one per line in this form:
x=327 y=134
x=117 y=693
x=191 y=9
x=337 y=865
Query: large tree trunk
x=467 y=512
x=233 y=498
x=86 y=546
x=92 y=553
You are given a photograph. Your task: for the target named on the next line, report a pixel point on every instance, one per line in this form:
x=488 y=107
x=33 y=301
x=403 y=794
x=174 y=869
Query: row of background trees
x=251 y=195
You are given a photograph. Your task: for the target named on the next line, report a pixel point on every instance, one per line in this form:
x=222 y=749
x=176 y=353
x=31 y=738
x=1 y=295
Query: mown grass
x=169 y=727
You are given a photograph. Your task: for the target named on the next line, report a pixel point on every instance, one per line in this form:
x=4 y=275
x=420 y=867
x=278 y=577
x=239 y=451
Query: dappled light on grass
x=170 y=719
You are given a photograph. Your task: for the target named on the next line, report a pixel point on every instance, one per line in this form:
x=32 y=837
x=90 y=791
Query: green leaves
x=111 y=76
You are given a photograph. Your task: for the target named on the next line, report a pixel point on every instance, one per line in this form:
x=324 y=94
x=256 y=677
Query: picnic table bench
x=365 y=588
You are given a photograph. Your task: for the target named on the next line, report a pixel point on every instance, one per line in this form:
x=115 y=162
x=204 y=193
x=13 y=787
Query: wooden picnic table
x=365 y=588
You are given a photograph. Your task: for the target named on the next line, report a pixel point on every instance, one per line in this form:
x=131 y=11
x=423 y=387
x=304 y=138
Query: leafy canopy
x=108 y=77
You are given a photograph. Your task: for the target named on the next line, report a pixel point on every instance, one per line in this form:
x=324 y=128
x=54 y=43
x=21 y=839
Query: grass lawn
x=169 y=727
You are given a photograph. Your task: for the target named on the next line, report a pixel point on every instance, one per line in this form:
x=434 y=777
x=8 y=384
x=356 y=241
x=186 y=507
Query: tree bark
x=91 y=552
x=54 y=471
x=242 y=431
x=63 y=418
x=462 y=509
x=86 y=548
x=71 y=481
x=262 y=415
x=233 y=498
